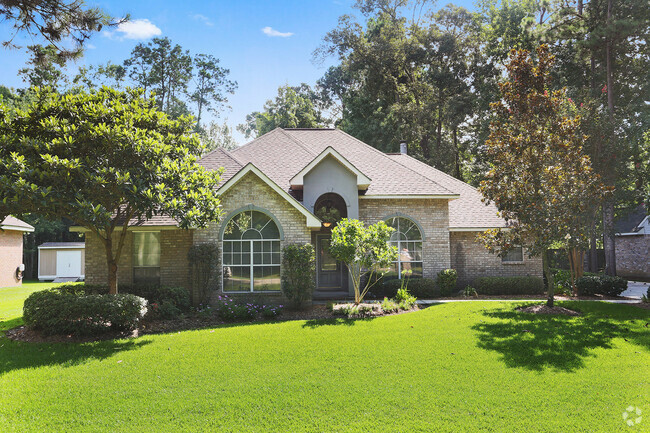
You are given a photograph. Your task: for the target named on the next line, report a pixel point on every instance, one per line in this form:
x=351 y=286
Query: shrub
x=469 y=291
x=171 y=302
x=56 y=312
x=81 y=289
x=205 y=268
x=404 y=299
x=298 y=273
x=389 y=306
x=229 y=309
x=646 y=298
x=509 y=285
x=601 y=285
x=423 y=288
x=447 y=279
x=270 y=311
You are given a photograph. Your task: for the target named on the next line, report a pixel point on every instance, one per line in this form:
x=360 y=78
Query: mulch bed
x=545 y=309
x=188 y=323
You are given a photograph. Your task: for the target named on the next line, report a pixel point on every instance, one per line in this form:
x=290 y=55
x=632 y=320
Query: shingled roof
x=12 y=223
x=282 y=153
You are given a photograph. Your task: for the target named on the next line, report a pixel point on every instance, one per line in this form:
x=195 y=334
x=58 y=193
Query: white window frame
x=399 y=245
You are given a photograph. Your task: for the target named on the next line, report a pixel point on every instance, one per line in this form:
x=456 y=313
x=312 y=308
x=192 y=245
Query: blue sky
x=233 y=31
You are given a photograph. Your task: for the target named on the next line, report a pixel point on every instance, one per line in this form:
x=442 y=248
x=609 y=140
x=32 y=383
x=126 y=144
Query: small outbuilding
x=61 y=261
x=633 y=245
x=11 y=251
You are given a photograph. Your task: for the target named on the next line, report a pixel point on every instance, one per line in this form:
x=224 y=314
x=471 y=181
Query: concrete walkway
x=444 y=301
x=636 y=289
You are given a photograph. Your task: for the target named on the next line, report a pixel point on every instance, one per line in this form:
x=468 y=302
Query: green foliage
x=294 y=107
x=389 y=306
x=447 y=280
x=423 y=288
x=601 y=285
x=58 y=22
x=63 y=312
x=509 y=285
x=470 y=291
x=205 y=268
x=233 y=310
x=177 y=297
x=363 y=250
x=103 y=159
x=562 y=279
x=298 y=273
x=404 y=299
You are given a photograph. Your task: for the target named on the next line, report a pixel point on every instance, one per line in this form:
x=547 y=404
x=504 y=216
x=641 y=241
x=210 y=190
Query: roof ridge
x=394 y=160
x=299 y=142
x=223 y=151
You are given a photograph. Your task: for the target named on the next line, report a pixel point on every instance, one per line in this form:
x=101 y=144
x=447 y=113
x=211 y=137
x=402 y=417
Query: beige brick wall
x=251 y=190
x=473 y=260
x=11 y=256
x=174 y=267
x=433 y=217
x=633 y=256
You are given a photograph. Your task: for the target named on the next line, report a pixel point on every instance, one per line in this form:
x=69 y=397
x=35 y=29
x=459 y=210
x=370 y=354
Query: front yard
x=472 y=366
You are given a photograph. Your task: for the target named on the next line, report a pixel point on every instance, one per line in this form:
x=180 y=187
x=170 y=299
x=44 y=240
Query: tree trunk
x=609 y=239
x=457 y=174
x=111 y=265
x=593 y=248
x=549 y=279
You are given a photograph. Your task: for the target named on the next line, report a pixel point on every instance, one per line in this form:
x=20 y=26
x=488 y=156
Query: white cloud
x=202 y=18
x=90 y=46
x=135 y=29
x=271 y=32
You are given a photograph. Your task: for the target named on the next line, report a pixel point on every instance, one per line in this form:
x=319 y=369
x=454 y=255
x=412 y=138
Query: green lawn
x=458 y=367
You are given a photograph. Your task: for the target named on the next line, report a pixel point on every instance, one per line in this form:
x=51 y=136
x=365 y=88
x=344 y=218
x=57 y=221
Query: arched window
x=407 y=238
x=251 y=253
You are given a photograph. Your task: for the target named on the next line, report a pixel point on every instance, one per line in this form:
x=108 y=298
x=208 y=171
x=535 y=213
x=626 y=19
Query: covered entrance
x=331 y=275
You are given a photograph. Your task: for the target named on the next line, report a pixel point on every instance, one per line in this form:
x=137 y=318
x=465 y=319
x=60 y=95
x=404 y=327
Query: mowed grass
x=457 y=367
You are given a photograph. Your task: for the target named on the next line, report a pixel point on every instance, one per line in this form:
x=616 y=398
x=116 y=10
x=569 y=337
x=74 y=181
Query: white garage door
x=68 y=263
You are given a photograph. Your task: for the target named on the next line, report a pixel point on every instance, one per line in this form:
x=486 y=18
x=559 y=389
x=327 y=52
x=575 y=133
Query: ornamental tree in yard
x=540 y=179
x=364 y=250
x=105 y=160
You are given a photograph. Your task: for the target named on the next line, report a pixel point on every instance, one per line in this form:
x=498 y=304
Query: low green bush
x=389 y=306
x=81 y=289
x=422 y=288
x=404 y=299
x=562 y=278
x=601 y=285
x=167 y=302
x=470 y=291
x=56 y=312
x=270 y=311
x=447 y=280
x=509 y=285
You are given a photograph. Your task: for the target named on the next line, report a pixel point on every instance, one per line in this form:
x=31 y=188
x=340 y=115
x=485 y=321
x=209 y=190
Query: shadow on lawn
x=317 y=323
x=18 y=355
x=537 y=342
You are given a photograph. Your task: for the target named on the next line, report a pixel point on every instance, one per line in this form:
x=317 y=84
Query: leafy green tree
x=298 y=273
x=108 y=74
x=45 y=68
x=211 y=85
x=105 y=160
x=364 y=250
x=294 y=107
x=541 y=180
x=55 y=21
x=217 y=135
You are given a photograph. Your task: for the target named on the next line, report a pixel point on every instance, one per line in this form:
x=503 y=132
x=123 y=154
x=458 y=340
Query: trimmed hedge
x=601 y=285
x=60 y=312
x=509 y=285
x=447 y=281
x=423 y=288
x=298 y=273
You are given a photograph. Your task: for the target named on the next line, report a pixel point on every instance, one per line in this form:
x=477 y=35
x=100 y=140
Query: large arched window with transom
x=251 y=253
x=407 y=238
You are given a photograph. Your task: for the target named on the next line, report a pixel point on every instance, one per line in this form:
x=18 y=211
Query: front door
x=331 y=275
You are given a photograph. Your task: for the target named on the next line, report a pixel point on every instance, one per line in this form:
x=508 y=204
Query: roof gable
x=311 y=220
x=12 y=223
x=363 y=181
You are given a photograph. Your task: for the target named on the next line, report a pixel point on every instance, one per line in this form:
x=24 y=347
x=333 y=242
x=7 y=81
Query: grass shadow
x=538 y=342
x=336 y=321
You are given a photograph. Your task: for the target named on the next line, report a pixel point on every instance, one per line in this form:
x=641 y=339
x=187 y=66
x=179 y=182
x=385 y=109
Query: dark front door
x=331 y=275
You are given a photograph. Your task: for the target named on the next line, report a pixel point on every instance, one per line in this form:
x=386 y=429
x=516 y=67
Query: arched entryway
x=331 y=275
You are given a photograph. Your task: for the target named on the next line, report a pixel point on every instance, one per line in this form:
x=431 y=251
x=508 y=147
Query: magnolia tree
x=364 y=250
x=541 y=181
x=105 y=160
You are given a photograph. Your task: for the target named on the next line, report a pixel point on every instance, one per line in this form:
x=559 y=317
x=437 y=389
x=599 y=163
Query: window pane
x=146 y=249
x=259 y=220
x=514 y=255
x=146 y=276
x=251 y=234
x=392 y=272
x=416 y=270
x=236 y=279
x=266 y=278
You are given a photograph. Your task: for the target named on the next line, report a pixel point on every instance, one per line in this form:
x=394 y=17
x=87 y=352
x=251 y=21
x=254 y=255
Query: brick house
x=273 y=191
x=633 y=244
x=11 y=250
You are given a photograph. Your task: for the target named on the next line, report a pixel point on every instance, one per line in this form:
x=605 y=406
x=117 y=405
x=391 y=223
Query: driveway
x=635 y=289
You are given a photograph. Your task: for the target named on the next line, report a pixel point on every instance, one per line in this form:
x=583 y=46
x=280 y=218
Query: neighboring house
x=272 y=191
x=61 y=261
x=11 y=250
x=633 y=244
